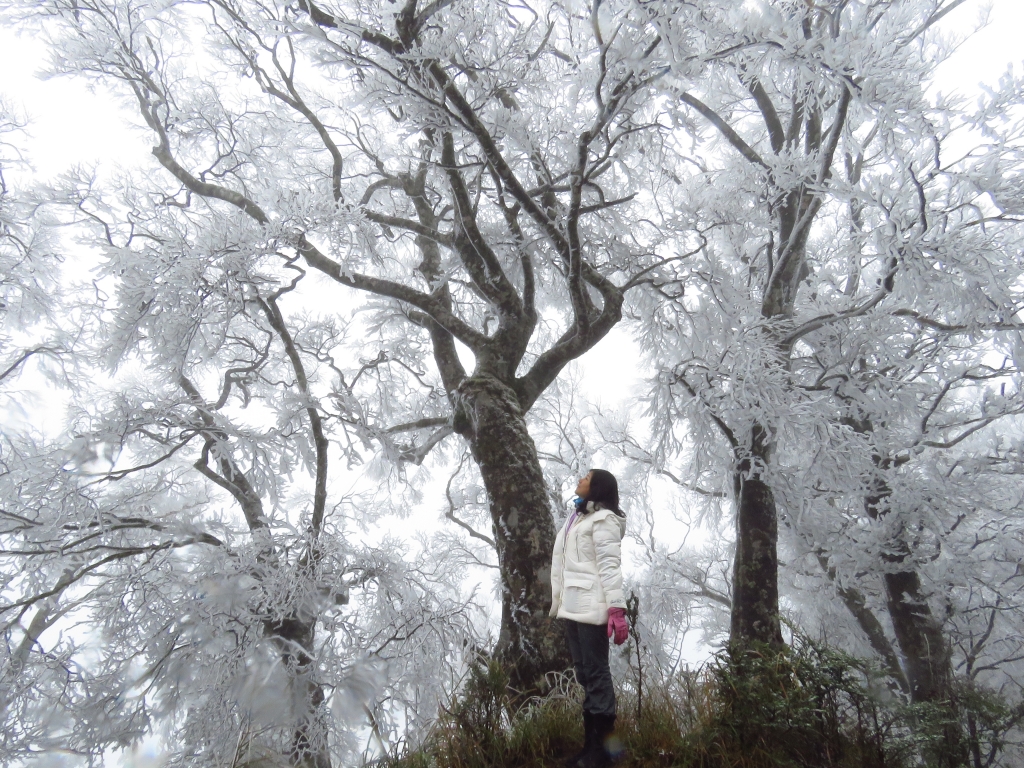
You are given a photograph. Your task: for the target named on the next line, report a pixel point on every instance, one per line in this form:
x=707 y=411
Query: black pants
x=588 y=644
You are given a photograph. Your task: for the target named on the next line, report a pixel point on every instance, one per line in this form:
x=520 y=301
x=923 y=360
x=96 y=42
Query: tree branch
x=273 y=314
x=949 y=328
x=776 y=133
x=858 y=311
x=450 y=512
x=424 y=423
x=476 y=255
x=25 y=356
x=725 y=129
x=231 y=478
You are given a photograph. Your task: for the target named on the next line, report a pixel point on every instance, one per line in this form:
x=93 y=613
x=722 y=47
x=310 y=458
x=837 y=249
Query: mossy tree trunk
x=489 y=416
x=755 y=595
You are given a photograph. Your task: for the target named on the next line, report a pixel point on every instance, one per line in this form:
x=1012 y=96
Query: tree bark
x=926 y=654
x=488 y=415
x=857 y=605
x=927 y=660
x=294 y=636
x=755 y=596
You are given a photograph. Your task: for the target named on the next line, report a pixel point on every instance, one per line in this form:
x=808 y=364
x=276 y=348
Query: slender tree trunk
x=755 y=585
x=489 y=417
x=755 y=602
x=975 y=742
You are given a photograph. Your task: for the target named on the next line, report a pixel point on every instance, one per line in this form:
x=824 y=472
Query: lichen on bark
x=489 y=417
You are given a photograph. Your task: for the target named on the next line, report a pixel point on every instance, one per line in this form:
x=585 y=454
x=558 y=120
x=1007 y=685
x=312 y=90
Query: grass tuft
x=806 y=706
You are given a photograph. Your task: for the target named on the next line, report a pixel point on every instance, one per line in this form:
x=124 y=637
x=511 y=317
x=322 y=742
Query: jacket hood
x=596 y=506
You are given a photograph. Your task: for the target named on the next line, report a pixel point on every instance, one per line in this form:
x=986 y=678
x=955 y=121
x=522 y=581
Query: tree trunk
x=927 y=658
x=488 y=415
x=925 y=651
x=755 y=584
x=857 y=604
x=926 y=654
x=294 y=636
x=927 y=661
x=755 y=602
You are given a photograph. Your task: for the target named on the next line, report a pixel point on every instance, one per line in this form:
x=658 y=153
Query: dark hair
x=604 y=488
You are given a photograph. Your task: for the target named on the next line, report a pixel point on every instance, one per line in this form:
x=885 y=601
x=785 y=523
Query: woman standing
x=586 y=592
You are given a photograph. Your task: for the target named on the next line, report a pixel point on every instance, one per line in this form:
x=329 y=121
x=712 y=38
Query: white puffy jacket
x=586 y=567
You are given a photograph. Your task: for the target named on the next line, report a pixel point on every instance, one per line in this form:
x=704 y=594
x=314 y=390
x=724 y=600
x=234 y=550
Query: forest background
x=244 y=371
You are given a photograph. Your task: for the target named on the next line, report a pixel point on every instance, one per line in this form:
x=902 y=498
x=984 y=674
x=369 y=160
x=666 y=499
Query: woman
x=586 y=592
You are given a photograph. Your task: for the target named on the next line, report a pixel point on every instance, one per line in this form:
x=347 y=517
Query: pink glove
x=617 y=625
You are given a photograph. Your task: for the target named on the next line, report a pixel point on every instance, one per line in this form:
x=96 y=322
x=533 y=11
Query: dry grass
x=807 y=707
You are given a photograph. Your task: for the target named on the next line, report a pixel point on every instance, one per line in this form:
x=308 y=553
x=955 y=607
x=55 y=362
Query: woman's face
x=583 y=487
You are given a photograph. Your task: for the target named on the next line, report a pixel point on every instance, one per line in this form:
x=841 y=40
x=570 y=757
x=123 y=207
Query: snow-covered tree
x=478 y=167
x=372 y=238
x=854 y=319
x=180 y=564
x=29 y=272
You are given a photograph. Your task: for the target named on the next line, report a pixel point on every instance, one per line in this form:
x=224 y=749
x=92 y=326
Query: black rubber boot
x=576 y=761
x=599 y=755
